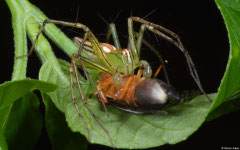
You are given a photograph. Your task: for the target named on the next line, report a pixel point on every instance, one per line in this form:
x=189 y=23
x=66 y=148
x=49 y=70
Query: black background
x=198 y=23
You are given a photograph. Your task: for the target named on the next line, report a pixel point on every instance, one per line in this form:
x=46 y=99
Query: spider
x=118 y=84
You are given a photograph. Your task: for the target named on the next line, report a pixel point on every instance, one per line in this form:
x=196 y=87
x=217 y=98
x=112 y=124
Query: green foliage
x=3 y=143
x=228 y=96
x=62 y=138
x=13 y=90
x=24 y=123
x=230 y=83
x=20 y=118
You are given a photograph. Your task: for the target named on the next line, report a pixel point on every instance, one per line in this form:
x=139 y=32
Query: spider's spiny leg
x=75 y=101
x=87 y=74
x=35 y=40
x=82 y=96
x=112 y=31
x=177 y=42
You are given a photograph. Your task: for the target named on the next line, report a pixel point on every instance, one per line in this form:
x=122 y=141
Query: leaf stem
x=53 y=33
x=20 y=40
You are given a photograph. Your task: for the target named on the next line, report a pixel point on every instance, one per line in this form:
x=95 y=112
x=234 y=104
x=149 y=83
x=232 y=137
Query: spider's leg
x=71 y=71
x=99 y=52
x=174 y=39
x=132 y=42
x=74 y=56
x=96 y=47
x=35 y=40
x=112 y=31
x=141 y=40
x=93 y=84
x=86 y=72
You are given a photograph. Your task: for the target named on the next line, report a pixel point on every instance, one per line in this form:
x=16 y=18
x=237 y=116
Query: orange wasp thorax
x=123 y=92
x=133 y=93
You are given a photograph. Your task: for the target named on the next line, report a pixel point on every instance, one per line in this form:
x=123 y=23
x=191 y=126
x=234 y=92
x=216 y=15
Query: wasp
x=126 y=81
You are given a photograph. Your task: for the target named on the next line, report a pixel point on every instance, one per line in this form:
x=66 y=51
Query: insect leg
x=157 y=71
x=174 y=39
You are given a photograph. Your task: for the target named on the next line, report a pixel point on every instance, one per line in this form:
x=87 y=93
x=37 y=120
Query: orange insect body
x=122 y=93
x=133 y=93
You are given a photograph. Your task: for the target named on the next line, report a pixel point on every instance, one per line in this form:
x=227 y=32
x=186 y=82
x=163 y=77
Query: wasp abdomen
x=138 y=95
x=155 y=94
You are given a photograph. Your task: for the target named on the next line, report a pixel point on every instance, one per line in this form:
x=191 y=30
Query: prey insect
x=118 y=84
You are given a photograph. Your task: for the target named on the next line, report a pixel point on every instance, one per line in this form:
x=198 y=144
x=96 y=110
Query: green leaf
x=3 y=143
x=20 y=40
x=230 y=84
x=129 y=130
x=24 y=123
x=62 y=138
x=228 y=106
x=225 y=108
x=13 y=90
x=126 y=130
x=49 y=74
x=141 y=131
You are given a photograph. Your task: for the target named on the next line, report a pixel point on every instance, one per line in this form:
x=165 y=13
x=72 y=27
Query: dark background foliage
x=198 y=23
